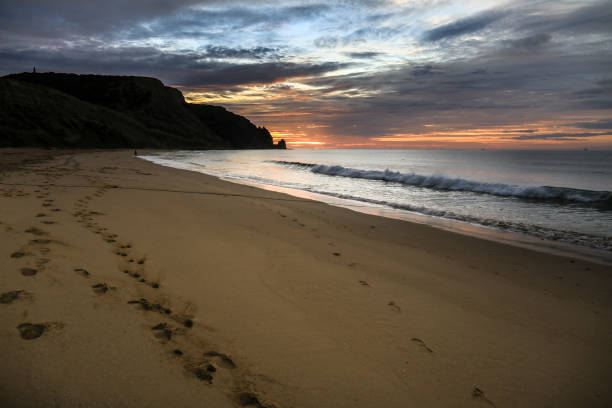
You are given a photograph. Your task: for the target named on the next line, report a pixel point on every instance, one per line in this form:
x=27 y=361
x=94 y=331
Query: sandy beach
x=128 y=284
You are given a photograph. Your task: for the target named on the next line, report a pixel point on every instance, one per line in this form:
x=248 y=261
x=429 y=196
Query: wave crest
x=445 y=183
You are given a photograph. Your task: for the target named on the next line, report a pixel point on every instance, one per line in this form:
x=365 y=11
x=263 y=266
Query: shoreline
x=521 y=240
x=275 y=301
x=490 y=233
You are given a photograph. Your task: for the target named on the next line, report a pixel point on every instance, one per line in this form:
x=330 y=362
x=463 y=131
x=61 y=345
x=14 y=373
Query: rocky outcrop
x=86 y=111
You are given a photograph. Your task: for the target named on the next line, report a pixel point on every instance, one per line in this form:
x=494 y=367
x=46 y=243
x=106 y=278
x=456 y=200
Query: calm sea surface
x=561 y=196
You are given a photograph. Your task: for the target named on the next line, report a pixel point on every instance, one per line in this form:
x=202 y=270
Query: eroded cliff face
x=69 y=110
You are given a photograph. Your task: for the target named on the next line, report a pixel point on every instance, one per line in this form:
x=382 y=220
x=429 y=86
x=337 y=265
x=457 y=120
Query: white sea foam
x=442 y=182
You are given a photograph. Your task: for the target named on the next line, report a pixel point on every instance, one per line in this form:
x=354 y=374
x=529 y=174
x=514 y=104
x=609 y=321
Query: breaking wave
x=445 y=183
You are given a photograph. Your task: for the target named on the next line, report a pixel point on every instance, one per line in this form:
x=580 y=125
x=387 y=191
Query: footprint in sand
x=40 y=262
x=394 y=306
x=148 y=306
x=82 y=272
x=184 y=320
x=205 y=369
x=421 y=344
x=163 y=331
x=18 y=254
x=364 y=283
x=28 y=271
x=99 y=288
x=35 y=231
x=40 y=241
x=204 y=373
x=248 y=399
x=9 y=297
x=220 y=359
x=479 y=395
x=30 y=331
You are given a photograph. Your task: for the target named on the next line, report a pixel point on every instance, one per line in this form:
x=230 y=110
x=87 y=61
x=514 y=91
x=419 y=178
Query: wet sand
x=129 y=284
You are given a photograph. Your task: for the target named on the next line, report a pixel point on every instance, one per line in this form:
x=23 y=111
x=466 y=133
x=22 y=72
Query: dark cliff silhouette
x=87 y=111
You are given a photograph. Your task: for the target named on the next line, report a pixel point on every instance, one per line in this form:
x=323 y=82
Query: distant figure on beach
x=135 y=153
x=34 y=70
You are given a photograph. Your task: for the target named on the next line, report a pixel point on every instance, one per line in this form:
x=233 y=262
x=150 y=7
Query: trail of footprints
x=36 y=247
x=38 y=244
x=205 y=366
x=393 y=306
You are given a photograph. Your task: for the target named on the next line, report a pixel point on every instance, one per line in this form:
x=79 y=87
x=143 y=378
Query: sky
x=352 y=73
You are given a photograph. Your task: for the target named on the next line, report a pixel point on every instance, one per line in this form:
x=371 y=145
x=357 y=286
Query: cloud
x=598 y=96
x=466 y=25
x=367 y=33
x=590 y=18
x=421 y=70
x=208 y=22
x=221 y=52
x=204 y=75
x=187 y=69
x=560 y=136
x=530 y=43
x=364 y=55
x=326 y=42
x=491 y=90
x=539 y=18
x=599 y=124
x=63 y=20
x=520 y=131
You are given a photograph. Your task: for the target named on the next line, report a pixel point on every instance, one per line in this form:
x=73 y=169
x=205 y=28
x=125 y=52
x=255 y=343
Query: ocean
x=543 y=197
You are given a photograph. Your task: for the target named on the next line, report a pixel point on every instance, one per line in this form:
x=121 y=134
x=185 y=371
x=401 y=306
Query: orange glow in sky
x=289 y=115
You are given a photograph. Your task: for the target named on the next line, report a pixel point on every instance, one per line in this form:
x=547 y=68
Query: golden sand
x=129 y=284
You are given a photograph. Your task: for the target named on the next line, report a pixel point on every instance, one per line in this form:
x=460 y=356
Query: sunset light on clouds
x=361 y=73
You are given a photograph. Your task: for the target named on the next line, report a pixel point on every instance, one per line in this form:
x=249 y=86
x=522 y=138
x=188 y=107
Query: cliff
x=87 y=111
